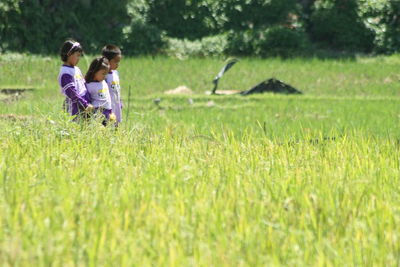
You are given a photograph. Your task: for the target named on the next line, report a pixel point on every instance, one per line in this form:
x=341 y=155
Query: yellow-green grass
x=223 y=181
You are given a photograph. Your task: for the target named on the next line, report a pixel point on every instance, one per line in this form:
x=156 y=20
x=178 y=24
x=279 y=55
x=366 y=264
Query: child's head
x=71 y=52
x=98 y=70
x=113 y=54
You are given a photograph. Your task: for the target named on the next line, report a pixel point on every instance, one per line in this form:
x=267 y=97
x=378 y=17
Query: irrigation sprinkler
x=228 y=65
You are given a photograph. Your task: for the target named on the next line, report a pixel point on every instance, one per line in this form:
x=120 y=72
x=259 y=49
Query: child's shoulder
x=70 y=69
x=112 y=72
x=93 y=83
x=96 y=84
x=104 y=83
x=112 y=76
x=115 y=72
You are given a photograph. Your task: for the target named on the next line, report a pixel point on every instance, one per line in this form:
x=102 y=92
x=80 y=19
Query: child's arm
x=70 y=91
x=109 y=115
x=107 y=112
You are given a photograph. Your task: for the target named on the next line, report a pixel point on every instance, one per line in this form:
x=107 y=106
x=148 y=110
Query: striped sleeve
x=68 y=87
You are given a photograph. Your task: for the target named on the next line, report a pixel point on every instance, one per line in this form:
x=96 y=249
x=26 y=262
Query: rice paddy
x=200 y=180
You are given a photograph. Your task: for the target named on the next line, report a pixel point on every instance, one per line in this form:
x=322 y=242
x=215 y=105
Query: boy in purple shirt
x=71 y=80
x=114 y=55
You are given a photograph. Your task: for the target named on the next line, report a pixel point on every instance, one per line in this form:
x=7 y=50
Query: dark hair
x=68 y=48
x=111 y=51
x=100 y=63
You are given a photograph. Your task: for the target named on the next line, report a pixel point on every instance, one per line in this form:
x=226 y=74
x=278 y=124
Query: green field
x=310 y=180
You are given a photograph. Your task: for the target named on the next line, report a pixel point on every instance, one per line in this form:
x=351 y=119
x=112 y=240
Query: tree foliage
x=250 y=27
x=40 y=26
x=336 y=24
x=383 y=18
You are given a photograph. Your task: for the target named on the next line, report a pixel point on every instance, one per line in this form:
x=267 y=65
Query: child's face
x=114 y=63
x=100 y=75
x=73 y=59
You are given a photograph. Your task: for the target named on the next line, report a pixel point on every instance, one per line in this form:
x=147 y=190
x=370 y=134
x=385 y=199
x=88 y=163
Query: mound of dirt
x=181 y=90
x=224 y=92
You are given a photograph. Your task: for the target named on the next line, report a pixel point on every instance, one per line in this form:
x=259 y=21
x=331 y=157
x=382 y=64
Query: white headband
x=75 y=44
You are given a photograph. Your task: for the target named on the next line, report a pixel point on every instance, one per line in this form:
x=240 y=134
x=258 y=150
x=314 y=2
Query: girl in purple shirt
x=71 y=81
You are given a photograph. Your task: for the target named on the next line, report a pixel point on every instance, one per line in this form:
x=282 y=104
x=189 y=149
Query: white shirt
x=112 y=80
x=99 y=94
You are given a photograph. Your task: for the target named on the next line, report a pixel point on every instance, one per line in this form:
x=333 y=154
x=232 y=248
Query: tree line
x=203 y=27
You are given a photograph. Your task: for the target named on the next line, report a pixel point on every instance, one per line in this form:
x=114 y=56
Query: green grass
x=261 y=180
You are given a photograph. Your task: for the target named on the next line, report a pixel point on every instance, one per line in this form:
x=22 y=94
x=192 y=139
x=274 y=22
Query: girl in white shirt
x=98 y=88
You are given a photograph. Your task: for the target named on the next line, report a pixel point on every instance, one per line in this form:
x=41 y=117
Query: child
x=98 y=88
x=114 y=55
x=71 y=80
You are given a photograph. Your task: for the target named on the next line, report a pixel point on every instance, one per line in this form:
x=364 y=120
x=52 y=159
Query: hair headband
x=75 y=44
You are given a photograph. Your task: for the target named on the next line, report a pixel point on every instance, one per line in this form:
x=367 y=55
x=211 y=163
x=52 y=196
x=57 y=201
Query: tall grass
x=264 y=180
x=362 y=77
x=74 y=196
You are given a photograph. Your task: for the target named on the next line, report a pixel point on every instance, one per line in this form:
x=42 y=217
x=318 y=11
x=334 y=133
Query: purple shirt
x=73 y=87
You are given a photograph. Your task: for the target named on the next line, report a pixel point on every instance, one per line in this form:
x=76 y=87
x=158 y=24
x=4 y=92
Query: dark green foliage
x=8 y=13
x=335 y=24
x=255 y=28
x=243 y=15
x=204 y=47
x=40 y=26
x=281 y=41
x=391 y=19
x=194 y=19
x=241 y=42
x=141 y=38
x=383 y=18
x=274 y=41
x=180 y=18
x=202 y=27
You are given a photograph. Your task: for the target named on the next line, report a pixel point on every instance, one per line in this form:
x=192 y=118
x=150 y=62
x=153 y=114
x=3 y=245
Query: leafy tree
x=336 y=24
x=40 y=26
x=382 y=17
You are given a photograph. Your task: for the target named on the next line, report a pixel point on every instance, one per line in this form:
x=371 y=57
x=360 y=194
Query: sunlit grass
x=217 y=181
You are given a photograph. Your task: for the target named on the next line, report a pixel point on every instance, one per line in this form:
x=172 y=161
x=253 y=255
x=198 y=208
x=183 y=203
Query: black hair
x=96 y=65
x=111 y=51
x=68 y=48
